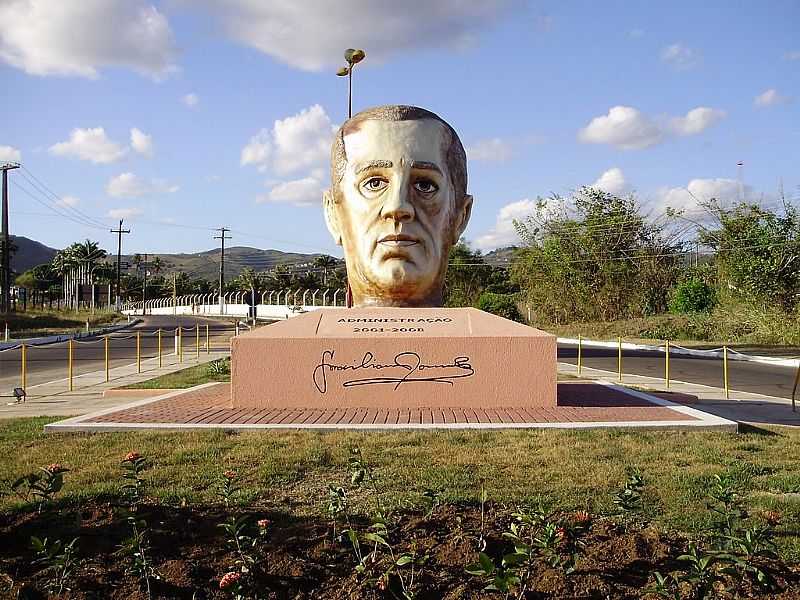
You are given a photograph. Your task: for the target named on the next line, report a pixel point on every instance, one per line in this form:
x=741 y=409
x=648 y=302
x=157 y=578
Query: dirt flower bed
x=365 y=546
x=301 y=558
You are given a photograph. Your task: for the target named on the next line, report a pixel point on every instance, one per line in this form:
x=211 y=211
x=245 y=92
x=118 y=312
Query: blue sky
x=660 y=99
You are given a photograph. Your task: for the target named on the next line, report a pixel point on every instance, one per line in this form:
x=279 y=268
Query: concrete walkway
x=54 y=397
x=743 y=407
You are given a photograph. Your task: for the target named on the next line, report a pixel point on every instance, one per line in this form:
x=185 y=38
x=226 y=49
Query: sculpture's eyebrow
x=374 y=164
x=425 y=166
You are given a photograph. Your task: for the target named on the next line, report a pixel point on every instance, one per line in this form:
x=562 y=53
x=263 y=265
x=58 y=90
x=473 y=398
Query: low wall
x=263 y=311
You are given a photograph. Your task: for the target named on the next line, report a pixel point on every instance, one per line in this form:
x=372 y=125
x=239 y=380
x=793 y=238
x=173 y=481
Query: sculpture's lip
x=398 y=240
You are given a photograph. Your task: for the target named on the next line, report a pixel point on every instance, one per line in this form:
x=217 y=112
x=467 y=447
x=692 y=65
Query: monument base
x=394 y=358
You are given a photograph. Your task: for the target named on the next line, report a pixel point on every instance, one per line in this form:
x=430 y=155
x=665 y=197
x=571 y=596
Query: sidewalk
x=53 y=398
x=743 y=407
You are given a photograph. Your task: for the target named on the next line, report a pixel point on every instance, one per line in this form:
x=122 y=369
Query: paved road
x=744 y=376
x=49 y=363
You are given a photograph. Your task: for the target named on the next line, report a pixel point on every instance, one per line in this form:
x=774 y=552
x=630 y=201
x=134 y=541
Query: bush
x=502 y=305
x=693 y=295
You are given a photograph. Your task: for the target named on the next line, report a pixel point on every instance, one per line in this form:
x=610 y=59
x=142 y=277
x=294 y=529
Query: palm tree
x=325 y=262
x=157 y=265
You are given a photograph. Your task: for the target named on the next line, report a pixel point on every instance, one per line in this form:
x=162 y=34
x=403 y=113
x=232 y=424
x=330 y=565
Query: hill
x=29 y=253
x=206 y=264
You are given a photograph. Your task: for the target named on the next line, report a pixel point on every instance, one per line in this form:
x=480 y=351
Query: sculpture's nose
x=397 y=205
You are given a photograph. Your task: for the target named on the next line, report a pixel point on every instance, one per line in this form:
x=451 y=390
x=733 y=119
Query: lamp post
x=353 y=57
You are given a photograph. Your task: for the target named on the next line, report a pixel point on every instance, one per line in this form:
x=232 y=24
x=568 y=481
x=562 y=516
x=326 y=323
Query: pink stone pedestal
x=394 y=358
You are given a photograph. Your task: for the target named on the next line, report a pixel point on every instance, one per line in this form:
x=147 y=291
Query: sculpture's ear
x=462 y=219
x=331 y=217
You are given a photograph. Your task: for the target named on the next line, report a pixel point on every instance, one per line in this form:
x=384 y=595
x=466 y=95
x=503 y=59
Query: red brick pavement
x=577 y=403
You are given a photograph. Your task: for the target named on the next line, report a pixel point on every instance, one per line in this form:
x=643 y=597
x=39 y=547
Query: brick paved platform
x=580 y=405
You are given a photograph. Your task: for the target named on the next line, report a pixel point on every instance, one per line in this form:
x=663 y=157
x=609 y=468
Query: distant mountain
x=206 y=264
x=30 y=253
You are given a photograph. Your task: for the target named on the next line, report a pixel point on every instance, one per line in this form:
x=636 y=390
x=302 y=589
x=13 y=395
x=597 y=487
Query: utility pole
x=119 y=233
x=5 y=282
x=221 y=237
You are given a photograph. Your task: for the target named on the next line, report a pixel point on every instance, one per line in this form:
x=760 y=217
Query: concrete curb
x=54 y=339
x=680 y=351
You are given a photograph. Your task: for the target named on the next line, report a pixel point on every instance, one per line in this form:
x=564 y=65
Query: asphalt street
x=744 y=376
x=49 y=363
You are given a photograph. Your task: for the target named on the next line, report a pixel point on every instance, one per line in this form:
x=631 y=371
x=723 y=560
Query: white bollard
x=7 y=334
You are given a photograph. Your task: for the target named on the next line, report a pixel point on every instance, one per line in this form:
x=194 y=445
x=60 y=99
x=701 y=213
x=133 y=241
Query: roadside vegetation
x=43 y=322
x=596 y=264
x=506 y=514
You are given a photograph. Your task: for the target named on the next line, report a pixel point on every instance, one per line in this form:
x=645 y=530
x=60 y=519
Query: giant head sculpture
x=397 y=204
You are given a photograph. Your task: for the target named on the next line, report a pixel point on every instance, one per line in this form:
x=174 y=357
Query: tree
x=467 y=276
x=594 y=257
x=326 y=263
x=250 y=281
x=757 y=252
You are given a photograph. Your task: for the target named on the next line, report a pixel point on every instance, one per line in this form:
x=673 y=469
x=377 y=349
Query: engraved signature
x=417 y=371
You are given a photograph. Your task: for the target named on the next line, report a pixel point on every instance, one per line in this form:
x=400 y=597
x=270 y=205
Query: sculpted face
x=396 y=213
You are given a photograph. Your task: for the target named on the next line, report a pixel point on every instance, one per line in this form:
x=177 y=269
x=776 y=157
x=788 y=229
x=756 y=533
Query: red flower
x=55 y=468
x=229 y=580
x=561 y=533
x=132 y=457
x=229 y=474
x=772 y=517
x=263 y=523
x=582 y=517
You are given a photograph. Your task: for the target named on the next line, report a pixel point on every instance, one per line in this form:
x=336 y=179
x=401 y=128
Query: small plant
x=219 y=367
x=700 y=571
x=337 y=507
x=727 y=507
x=361 y=473
x=400 y=584
x=240 y=541
x=499 y=579
x=42 y=485
x=628 y=498
x=132 y=465
x=665 y=586
x=227 y=487
x=59 y=562
x=137 y=545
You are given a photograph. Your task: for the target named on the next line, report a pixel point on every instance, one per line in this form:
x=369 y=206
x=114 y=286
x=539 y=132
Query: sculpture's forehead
x=421 y=140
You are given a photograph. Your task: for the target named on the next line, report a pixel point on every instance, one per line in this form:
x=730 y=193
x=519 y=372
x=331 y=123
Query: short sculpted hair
x=454 y=153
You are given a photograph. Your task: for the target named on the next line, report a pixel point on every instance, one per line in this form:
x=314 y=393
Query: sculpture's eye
x=425 y=186
x=374 y=184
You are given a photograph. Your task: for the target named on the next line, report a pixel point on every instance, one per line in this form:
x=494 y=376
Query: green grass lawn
x=185 y=378
x=291 y=470
x=35 y=323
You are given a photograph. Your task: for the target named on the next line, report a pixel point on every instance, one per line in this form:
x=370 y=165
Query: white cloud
x=141 y=142
x=770 y=97
x=124 y=213
x=58 y=37
x=696 y=120
x=10 y=154
x=299 y=192
x=504 y=233
x=613 y=182
x=686 y=198
x=794 y=55
x=191 y=100
x=627 y=128
x=311 y=35
x=494 y=149
x=679 y=57
x=623 y=127
x=69 y=201
x=89 y=144
x=294 y=143
x=128 y=185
